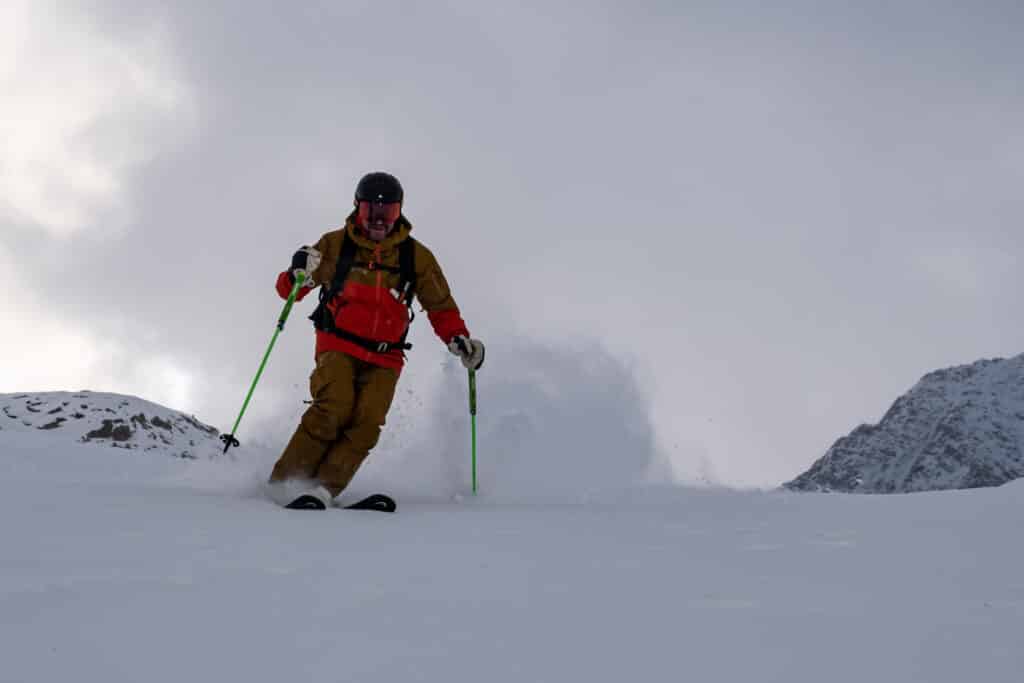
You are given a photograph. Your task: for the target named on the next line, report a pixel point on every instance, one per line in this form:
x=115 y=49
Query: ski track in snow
x=117 y=567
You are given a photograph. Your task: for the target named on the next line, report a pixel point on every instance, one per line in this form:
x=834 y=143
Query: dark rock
x=200 y=426
x=109 y=431
x=161 y=423
x=53 y=425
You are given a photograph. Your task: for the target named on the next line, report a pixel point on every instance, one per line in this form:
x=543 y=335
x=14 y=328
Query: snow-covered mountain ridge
x=957 y=428
x=112 y=420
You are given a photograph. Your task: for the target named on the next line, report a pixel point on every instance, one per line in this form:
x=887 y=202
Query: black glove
x=469 y=351
x=306 y=260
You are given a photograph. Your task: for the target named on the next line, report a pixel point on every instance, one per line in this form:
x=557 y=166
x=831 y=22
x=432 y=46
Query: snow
x=126 y=565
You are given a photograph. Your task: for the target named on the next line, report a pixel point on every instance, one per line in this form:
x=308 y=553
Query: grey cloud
x=737 y=197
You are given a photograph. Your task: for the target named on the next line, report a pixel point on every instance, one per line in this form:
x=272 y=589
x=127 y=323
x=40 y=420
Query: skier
x=368 y=272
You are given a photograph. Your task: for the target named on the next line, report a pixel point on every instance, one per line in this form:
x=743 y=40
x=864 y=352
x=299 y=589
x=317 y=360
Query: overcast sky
x=777 y=219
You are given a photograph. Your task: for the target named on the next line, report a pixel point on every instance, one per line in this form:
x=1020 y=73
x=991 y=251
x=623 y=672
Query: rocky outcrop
x=112 y=420
x=958 y=428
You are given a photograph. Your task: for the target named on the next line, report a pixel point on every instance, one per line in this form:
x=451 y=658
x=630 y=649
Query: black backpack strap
x=321 y=317
x=345 y=260
x=407 y=283
x=407 y=269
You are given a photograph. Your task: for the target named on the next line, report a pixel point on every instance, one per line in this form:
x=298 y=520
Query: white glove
x=306 y=260
x=469 y=351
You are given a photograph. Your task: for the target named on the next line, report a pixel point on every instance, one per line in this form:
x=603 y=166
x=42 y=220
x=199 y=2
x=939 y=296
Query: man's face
x=377 y=219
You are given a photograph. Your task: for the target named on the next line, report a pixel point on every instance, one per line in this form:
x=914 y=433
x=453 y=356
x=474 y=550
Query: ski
x=306 y=502
x=377 y=501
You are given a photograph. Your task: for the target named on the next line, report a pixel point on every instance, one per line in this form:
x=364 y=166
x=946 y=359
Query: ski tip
x=306 y=502
x=378 y=502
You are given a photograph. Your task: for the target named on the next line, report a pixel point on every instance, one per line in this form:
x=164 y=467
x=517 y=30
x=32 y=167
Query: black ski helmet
x=379 y=187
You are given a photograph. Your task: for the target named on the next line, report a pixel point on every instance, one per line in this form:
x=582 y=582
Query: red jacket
x=367 y=306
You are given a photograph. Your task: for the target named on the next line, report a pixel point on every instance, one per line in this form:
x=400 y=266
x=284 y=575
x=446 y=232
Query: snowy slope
x=117 y=567
x=109 y=420
x=957 y=428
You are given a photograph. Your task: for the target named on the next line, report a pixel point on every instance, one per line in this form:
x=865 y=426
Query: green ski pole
x=229 y=439
x=472 y=416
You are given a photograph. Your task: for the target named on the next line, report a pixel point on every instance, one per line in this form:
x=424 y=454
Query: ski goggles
x=372 y=212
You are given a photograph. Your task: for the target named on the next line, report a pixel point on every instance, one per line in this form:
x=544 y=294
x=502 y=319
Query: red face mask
x=378 y=218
